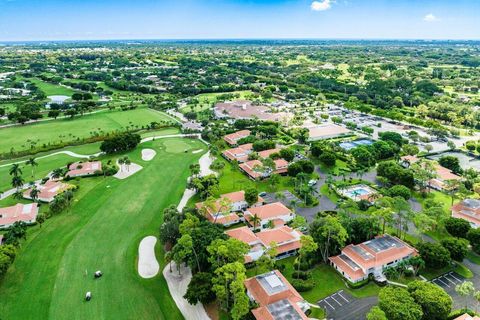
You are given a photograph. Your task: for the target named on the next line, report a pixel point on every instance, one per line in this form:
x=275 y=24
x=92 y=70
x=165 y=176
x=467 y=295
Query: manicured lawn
x=336 y=170
x=234 y=180
x=206 y=99
x=473 y=257
x=65 y=130
x=462 y=270
x=437 y=196
x=433 y=273
x=101 y=231
x=51 y=89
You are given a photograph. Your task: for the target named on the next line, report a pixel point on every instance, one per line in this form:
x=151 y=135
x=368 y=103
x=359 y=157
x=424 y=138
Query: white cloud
x=321 y=5
x=430 y=18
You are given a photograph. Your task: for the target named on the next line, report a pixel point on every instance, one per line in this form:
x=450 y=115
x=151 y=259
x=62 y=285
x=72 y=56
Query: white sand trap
x=197 y=151
x=148 y=154
x=148 y=266
x=205 y=161
x=187 y=194
x=126 y=171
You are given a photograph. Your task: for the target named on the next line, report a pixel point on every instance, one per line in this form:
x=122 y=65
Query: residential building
x=276 y=213
x=468 y=209
x=286 y=239
x=19 y=212
x=48 y=191
x=239 y=153
x=442 y=174
x=266 y=153
x=81 y=169
x=357 y=262
x=255 y=169
x=276 y=297
x=227 y=216
x=232 y=138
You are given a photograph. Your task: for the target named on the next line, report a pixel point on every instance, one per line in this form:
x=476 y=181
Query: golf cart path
x=148 y=266
x=68 y=153
x=177 y=285
x=205 y=161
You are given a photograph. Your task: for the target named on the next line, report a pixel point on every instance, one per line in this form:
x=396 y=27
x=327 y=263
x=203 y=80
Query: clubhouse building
x=276 y=297
x=20 y=212
x=357 y=262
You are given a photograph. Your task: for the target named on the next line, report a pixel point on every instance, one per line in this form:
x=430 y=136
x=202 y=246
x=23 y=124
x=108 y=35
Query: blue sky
x=209 y=19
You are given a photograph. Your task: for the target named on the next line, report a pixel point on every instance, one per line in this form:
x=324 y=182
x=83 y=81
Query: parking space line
x=451 y=274
x=325 y=300
x=340 y=294
x=335 y=300
x=438 y=279
x=445 y=277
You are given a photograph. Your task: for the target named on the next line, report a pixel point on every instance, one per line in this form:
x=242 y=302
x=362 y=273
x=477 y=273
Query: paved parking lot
x=448 y=281
x=342 y=306
x=286 y=199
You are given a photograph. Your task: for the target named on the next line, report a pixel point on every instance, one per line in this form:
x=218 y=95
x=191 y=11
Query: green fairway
x=51 y=89
x=101 y=231
x=65 y=130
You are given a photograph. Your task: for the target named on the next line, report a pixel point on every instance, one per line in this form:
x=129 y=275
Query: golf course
x=101 y=231
x=66 y=130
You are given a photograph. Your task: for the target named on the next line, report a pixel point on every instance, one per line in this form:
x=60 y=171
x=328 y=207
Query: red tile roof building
x=357 y=262
x=19 y=212
x=239 y=153
x=255 y=169
x=443 y=174
x=232 y=139
x=468 y=209
x=276 y=297
x=228 y=216
x=286 y=239
x=81 y=169
x=276 y=212
x=466 y=316
x=48 y=191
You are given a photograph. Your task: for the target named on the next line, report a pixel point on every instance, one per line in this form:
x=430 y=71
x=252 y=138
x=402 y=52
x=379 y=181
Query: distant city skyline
x=36 y=20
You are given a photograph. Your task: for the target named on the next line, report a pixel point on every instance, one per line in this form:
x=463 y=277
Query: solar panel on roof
x=283 y=310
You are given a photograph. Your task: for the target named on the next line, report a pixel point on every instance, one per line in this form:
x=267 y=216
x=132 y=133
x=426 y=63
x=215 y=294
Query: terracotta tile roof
x=78 y=169
x=268 y=212
x=443 y=174
x=468 y=209
x=239 y=153
x=377 y=252
x=266 y=153
x=352 y=272
x=249 y=168
x=286 y=238
x=466 y=316
x=234 y=137
x=48 y=190
x=18 y=212
x=261 y=291
x=243 y=234
x=287 y=306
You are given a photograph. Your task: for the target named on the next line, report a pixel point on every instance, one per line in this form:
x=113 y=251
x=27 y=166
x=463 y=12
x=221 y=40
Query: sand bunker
x=127 y=170
x=205 y=161
x=148 y=266
x=148 y=154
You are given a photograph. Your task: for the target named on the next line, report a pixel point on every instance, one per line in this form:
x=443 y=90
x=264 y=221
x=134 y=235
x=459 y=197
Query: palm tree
x=121 y=161
x=128 y=163
x=17 y=182
x=15 y=170
x=34 y=194
x=57 y=173
x=255 y=219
